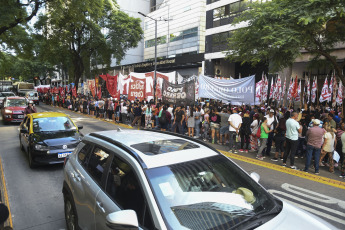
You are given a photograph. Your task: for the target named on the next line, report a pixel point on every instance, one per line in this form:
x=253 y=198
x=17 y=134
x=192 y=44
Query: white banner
x=236 y=91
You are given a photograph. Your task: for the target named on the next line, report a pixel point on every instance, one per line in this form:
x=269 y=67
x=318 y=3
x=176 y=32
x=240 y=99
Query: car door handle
x=75 y=176
x=100 y=206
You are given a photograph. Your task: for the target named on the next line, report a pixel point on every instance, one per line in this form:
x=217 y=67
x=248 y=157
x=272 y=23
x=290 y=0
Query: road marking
x=7 y=203
x=308 y=176
x=290 y=188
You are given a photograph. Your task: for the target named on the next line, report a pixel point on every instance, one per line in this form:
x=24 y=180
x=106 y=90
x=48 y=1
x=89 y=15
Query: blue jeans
x=310 y=151
x=197 y=127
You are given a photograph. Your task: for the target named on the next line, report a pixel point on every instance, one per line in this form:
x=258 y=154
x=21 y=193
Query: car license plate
x=20 y=116
x=63 y=155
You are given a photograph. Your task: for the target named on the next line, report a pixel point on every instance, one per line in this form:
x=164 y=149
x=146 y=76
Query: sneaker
x=342 y=175
x=230 y=151
x=235 y=151
x=281 y=158
x=335 y=164
x=241 y=150
x=303 y=170
x=293 y=167
x=260 y=158
x=296 y=157
x=321 y=164
x=317 y=173
x=284 y=164
x=246 y=151
x=274 y=159
x=204 y=139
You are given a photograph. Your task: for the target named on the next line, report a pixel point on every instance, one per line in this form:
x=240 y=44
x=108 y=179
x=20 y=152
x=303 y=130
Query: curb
x=4 y=196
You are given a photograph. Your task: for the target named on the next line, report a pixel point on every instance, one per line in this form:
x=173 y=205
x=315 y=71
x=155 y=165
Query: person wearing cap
x=314 y=142
x=272 y=122
x=30 y=108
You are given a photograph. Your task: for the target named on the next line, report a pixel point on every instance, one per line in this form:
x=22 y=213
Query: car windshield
x=7 y=94
x=31 y=94
x=16 y=102
x=211 y=193
x=48 y=124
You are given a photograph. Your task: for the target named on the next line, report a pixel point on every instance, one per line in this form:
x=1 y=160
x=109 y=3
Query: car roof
x=48 y=114
x=132 y=137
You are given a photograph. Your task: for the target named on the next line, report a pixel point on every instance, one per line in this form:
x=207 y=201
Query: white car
x=137 y=179
x=3 y=95
x=32 y=96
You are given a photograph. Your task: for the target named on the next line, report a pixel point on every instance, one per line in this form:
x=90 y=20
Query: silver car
x=153 y=180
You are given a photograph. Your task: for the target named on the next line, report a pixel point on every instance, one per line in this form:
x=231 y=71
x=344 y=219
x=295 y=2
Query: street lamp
x=155 y=73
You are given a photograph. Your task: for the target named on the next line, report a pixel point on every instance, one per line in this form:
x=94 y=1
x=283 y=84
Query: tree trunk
x=78 y=69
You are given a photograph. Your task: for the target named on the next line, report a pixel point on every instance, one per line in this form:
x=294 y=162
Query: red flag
x=112 y=86
x=74 y=91
x=325 y=92
x=294 y=92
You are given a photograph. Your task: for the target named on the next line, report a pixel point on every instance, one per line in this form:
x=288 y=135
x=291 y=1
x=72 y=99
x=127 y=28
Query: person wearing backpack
x=164 y=119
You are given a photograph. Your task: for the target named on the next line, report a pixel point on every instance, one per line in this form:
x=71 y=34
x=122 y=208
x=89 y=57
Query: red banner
x=92 y=89
x=99 y=93
x=74 y=91
x=137 y=88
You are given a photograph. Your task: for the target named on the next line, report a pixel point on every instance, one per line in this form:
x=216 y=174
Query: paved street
x=36 y=200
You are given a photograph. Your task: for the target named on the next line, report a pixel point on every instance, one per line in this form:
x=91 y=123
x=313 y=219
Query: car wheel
x=20 y=143
x=32 y=164
x=70 y=213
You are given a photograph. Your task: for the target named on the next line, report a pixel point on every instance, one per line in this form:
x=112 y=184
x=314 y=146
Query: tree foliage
x=79 y=30
x=279 y=31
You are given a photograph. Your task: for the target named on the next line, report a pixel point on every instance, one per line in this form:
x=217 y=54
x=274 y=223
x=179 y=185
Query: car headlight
x=8 y=111
x=41 y=147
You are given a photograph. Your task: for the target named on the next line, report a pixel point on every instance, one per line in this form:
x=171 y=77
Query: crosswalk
x=319 y=204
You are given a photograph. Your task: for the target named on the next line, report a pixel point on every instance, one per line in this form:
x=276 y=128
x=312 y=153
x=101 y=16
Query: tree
x=279 y=31
x=83 y=29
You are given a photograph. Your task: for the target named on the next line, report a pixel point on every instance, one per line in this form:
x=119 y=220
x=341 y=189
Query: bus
x=6 y=86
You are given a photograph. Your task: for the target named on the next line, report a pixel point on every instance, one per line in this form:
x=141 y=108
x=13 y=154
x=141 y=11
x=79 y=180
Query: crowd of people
x=315 y=135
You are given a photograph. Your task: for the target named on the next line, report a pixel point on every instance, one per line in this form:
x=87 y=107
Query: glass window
x=124 y=188
x=164 y=146
x=49 y=124
x=235 y=7
x=151 y=43
x=84 y=152
x=16 y=102
x=211 y=192
x=192 y=32
x=97 y=163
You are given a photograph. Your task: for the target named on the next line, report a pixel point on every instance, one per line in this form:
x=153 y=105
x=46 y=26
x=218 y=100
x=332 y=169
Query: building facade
x=219 y=16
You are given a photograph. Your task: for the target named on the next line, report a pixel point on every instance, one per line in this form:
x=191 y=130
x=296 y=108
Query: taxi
x=48 y=137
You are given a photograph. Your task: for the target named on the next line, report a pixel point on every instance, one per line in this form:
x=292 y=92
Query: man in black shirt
x=179 y=117
x=137 y=113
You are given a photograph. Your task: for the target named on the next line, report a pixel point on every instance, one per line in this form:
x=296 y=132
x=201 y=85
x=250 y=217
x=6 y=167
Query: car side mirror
x=124 y=219
x=255 y=176
x=80 y=127
x=24 y=131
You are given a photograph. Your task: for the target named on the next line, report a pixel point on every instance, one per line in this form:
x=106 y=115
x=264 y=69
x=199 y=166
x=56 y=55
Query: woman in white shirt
x=328 y=148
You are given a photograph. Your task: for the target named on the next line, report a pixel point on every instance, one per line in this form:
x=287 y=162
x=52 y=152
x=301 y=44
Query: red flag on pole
x=74 y=91
x=99 y=93
x=294 y=91
x=325 y=92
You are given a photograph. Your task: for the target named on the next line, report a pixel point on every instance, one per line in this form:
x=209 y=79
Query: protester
x=224 y=126
x=292 y=130
x=271 y=124
x=314 y=142
x=328 y=148
x=245 y=132
x=235 y=121
x=265 y=131
x=279 y=139
x=190 y=122
x=254 y=127
x=197 y=116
